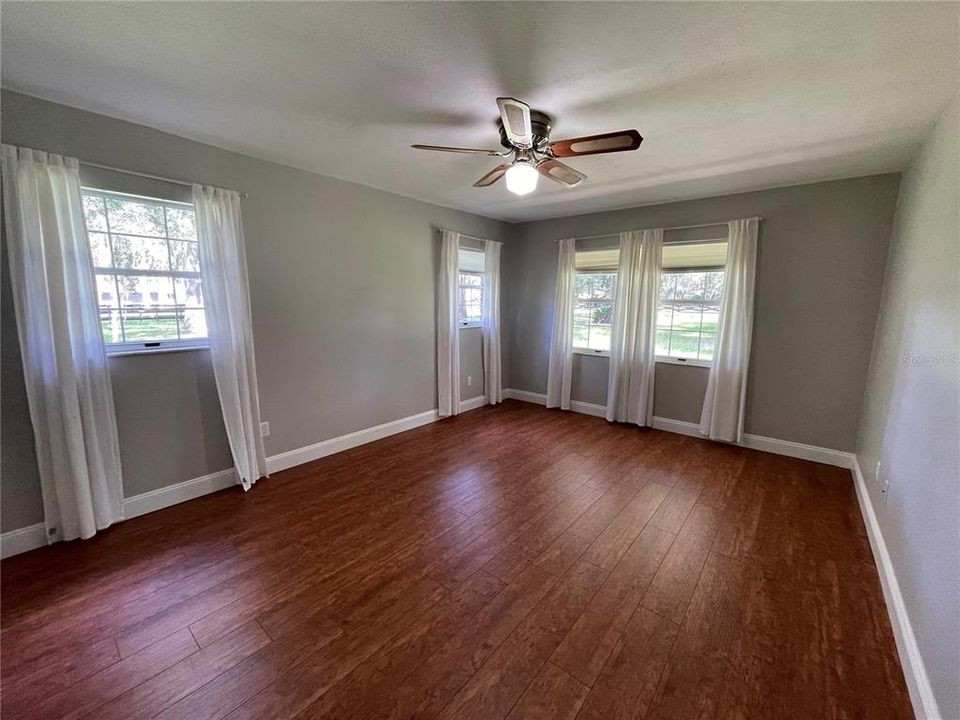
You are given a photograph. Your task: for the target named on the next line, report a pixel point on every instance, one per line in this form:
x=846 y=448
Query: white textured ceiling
x=728 y=96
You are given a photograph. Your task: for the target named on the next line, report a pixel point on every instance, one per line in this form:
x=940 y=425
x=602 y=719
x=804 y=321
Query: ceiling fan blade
x=556 y=170
x=491 y=177
x=597 y=144
x=465 y=151
x=516 y=121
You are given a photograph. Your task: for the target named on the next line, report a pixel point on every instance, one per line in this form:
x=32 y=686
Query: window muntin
x=470 y=298
x=688 y=313
x=593 y=310
x=147 y=265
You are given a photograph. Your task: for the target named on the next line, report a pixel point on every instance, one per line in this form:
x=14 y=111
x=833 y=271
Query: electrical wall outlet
x=883 y=482
x=264 y=429
x=469 y=380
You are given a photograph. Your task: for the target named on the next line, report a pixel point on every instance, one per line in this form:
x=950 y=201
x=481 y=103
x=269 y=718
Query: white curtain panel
x=633 y=338
x=64 y=361
x=492 y=382
x=223 y=269
x=723 y=406
x=448 y=339
x=561 y=343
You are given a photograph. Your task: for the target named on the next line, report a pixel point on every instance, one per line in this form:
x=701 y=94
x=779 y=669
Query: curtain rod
x=675 y=227
x=137 y=173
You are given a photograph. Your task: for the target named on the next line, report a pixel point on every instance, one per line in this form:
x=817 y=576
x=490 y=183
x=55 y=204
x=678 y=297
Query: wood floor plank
x=465 y=563
x=89 y=694
x=232 y=688
x=297 y=689
x=566 y=549
x=670 y=591
x=180 y=679
x=628 y=682
x=60 y=672
x=201 y=605
x=553 y=695
x=592 y=638
x=489 y=565
x=229 y=617
x=675 y=508
x=436 y=681
x=706 y=649
x=503 y=678
x=613 y=542
x=363 y=690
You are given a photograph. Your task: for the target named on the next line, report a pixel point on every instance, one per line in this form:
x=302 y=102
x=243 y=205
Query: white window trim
x=155 y=347
x=588 y=351
x=683 y=361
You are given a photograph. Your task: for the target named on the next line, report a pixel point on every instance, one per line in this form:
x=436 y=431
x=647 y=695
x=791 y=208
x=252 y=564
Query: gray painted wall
x=822 y=253
x=343 y=302
x=911 y=417
x=680 y=389
x=471 y=363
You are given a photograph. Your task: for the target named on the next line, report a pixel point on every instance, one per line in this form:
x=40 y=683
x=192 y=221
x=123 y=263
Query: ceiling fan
x=525 y=134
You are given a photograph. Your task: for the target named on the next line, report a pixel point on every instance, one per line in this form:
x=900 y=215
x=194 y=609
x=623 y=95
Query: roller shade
x=675 y=256
x=694 y=255
x=471 y=260
x=597 y=260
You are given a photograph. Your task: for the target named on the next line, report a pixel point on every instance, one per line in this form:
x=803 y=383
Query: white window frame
x=469 y=323
x=694 y=362
x=585 y=350
x=147 y=347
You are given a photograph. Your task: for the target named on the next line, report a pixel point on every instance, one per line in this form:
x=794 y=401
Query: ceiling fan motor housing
x=540 y=124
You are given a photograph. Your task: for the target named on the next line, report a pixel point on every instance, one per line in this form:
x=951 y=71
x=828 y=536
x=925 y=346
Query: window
x=470 y=303
x=470 y=284
x=688 y=313
x=594 y=288
x=147 y=265
x=593 y=310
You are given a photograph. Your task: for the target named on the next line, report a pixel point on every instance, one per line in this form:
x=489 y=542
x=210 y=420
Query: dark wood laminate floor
x=513 y=562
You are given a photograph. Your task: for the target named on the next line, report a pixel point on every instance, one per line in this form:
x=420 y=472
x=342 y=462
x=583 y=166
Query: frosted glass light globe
x=522 y=178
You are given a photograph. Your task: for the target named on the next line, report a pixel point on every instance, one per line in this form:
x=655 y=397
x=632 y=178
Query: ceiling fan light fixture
x=522 y=178
x=529 y=152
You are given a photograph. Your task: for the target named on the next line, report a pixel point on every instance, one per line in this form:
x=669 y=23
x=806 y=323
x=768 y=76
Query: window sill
x=134 y=349
x=592 y=353
x=680 y=361
x=464 y=326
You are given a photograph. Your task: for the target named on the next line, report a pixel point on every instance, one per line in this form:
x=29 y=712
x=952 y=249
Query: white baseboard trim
x=526 y=396
x=827 y=456
x=754 y=442
x=22 y=539
x=292 y=458
x=175 y=494
x=585 y=408
x=473 y=403
x=914 y=670
x=34 y=536
x=680 y=427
